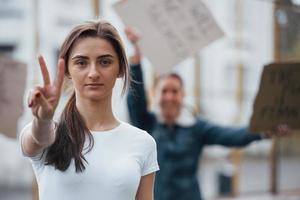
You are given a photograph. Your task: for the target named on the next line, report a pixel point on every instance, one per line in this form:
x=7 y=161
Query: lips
x=94 y=84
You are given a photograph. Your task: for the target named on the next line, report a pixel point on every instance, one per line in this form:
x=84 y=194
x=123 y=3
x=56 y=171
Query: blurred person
x=88 y=153
x=179 y=144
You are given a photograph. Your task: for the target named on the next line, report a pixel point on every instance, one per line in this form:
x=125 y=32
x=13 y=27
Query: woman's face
x=94 y=67
x=170 y=97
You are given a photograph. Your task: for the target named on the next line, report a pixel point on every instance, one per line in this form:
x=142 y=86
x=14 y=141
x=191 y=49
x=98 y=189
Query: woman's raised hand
x=44 y=100
x=133 y=37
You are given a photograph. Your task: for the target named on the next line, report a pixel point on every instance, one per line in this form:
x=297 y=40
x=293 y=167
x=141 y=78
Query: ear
x=182 y=92
x=69 y=76
x=120 y=75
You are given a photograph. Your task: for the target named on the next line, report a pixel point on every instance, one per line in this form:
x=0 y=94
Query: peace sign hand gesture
x=44 y=100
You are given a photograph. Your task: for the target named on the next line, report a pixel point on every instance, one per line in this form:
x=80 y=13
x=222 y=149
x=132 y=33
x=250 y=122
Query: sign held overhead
x=171 y=30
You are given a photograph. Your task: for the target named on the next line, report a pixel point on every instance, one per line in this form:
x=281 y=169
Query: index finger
x=59 y=79
x=44 y=70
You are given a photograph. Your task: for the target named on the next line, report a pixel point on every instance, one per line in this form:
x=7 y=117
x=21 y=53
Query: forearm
x=38 y=136
x=43 y=132
x=136 y=95
x=227 y=136
x=139 y=114
x=236 y=137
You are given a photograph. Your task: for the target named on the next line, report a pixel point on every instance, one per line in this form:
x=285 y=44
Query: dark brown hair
x=71 y=130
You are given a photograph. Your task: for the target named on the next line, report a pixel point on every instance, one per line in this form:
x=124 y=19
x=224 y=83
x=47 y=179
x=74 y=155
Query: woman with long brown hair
x=88 y=153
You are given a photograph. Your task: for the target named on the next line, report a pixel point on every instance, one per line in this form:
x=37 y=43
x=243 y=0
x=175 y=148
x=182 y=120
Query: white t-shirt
x=115 y=165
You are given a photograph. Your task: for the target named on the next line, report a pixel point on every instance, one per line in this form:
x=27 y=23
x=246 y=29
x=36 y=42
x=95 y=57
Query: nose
x=93 y=72
x=168 y=96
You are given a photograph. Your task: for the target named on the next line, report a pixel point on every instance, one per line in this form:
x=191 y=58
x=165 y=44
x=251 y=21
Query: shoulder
x=204 y=126
x=202 y=122
x=136 y=133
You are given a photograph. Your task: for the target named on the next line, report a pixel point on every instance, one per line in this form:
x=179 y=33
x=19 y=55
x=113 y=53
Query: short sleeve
x=150 y=163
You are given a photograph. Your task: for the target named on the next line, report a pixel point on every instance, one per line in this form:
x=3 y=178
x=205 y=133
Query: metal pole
x=239 y=92
x=36 y=39
x=197 y=83
x=274 y=158
x=34 y=186
x=96 y=8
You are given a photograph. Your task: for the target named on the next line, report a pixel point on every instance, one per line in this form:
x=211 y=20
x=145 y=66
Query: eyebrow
x=86 y=57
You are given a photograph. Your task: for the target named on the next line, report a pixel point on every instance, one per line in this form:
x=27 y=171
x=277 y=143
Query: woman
x=89 y=153
x=179 y=144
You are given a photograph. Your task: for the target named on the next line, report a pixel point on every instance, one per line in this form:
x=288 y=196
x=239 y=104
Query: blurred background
x=221 y=82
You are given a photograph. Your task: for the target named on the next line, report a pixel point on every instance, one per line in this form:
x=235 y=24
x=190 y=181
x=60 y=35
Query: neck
x=97 y=115
x=168 y=121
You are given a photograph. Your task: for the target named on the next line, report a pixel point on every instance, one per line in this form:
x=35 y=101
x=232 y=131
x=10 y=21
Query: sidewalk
x=15 y=193
x=255 y=178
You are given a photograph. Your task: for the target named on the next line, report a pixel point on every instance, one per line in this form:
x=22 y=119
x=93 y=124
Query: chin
x=96 y=97
x=169 y=117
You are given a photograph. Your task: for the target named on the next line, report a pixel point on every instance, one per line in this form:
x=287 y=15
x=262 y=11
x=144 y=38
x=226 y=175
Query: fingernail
x=37 y=95
x=30 y=104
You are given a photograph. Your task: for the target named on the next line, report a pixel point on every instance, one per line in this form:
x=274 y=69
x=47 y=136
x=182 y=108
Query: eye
x=164 y=91
x=105 y=62
x=175 y=92
x=80 y=62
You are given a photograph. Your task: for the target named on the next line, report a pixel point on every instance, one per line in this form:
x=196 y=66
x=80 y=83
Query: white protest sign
x=12 y=86
x=171 y=30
